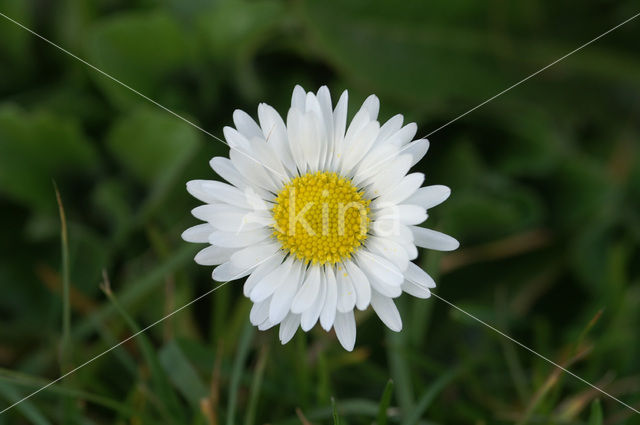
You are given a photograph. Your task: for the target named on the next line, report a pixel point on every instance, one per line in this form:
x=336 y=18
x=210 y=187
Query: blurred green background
x=546 y=204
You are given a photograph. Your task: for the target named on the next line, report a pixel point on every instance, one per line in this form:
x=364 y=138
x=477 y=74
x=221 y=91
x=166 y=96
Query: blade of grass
x=421 y=310
x=385 y=401
x=238 y=366
x=554 y=377
x=64 y=245
x=430 y=394
x=16 y=378
x=182 y=373
x=136 y=290
x=514 y=366
x=595 y=418
x=70 y=412
x=160 y=379
x=256 y=384
x=396 y=349
x=27 y=408
x=334 y=409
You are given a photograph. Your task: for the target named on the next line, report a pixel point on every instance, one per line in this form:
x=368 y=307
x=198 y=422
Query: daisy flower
x=320 y=216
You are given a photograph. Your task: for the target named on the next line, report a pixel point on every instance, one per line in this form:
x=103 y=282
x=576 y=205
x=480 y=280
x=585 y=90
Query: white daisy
x=322 y=217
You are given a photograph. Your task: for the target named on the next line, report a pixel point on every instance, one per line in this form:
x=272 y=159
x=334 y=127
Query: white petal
x=372 y=105
x=346 y=292
x=382 y=268
x=390 y=250
x=374 y=162
x=308 y=292
x=269 y=283
x=385 y=287
x=417 y=149
x=275 y=133
x=266 y=325
x=237 y=140
x=404 y=135
x=194 y=187
x=339 y=127
x=238 y=239
x=310 y=139
x=388 y=128
x=227 y=217
x=199 y=233
x=213 y=255
x=429 y=196
x=403 y=190
x=261 y=271
x=283 y=296
x=415 y=290
x=328 y=314
x=311 y=315
x=225 y=169
x=253 y=171
x=387 y=311
x=226 y=272
x=245 y=124
x=431 y=239
x=411 y=214
x=356 y=147
x=233 y=220
x=359 y=121
x=298 y=98
x=318 y=127
x=415 y=274
x=288 y=327
x=360 y=284
x=212 y=191
x=253 y=155
x=259 y=312
x=390 y=175
x=296 y=134
x=253 y=255
x=412 y=251
x=324 y=99
x=345 y=326
x=269 y=159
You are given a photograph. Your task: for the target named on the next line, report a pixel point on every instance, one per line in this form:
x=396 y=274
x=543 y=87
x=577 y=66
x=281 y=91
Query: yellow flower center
x=321 y=217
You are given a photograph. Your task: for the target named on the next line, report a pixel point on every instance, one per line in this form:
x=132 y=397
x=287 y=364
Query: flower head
x=322 y=217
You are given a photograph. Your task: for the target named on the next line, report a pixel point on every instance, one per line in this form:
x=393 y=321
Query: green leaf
x=37 y=148
x=182 y=374
x=389 y=47
x=151 y=144
x=235 y=27
x=488 y=213
x=141 y=50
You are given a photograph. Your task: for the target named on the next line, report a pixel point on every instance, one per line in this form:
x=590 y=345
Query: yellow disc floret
x=321 y=217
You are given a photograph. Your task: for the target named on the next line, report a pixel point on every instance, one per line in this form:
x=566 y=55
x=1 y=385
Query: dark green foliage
x=545 y=201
